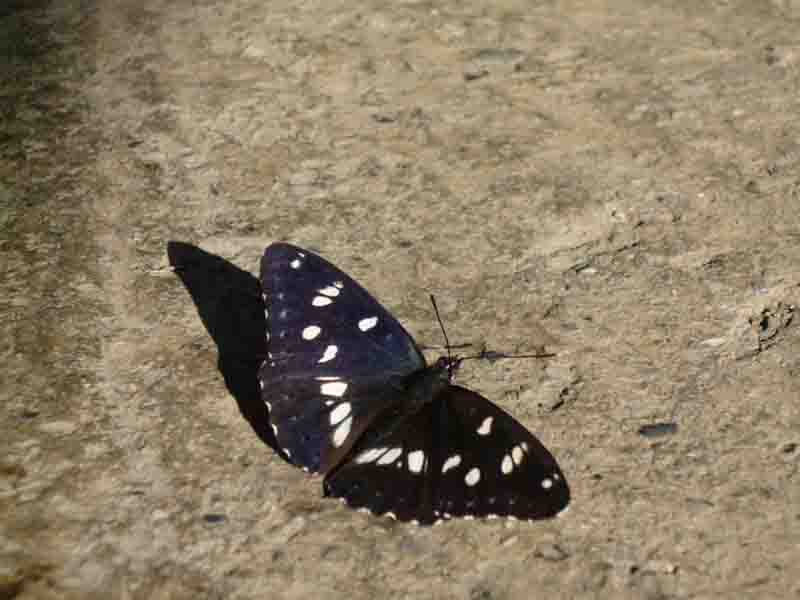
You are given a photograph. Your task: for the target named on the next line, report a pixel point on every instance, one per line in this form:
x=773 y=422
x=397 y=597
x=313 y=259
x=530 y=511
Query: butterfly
x=351 y=396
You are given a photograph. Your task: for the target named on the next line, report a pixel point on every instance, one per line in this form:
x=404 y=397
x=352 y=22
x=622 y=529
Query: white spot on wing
x=451 y=463
x=310 y=332
x=342 y=431
x=327 y=378
x=266 y=314
x=368 y=323
x=390 y=456
x=321 y=301
x=517 y=454
x=329 y=354
x=331 y=291
x=547 y=483
x=333 y=388
x=473 y=476
x=486 y=426
x=508 y=465
x=415 y=461
x=338 y=284
x=295 y=264
x=369 y=455
x=340 y=412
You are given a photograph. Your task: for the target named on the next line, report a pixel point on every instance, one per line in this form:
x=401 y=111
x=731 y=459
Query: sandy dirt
x=617 y=181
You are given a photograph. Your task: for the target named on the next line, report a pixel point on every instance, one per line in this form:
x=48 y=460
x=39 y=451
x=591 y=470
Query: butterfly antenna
x=493 y=355
x=441 y=326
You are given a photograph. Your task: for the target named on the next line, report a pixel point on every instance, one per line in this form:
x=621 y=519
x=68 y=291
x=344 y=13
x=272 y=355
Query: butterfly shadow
x=229 y=304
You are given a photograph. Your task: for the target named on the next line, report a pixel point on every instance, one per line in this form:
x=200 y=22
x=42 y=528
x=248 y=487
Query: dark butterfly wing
x=390 y=476
x=460 y=456
x=333 y=353
x=491 y=464
x=316 y=420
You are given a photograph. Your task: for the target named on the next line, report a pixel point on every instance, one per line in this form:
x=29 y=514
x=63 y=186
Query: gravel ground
x=618 y=182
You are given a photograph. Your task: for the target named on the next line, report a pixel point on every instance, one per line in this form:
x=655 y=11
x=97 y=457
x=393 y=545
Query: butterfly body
x=414 y=392
x=351 y=396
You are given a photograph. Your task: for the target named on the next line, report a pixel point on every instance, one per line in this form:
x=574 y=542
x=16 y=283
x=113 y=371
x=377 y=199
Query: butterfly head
x=448 y=366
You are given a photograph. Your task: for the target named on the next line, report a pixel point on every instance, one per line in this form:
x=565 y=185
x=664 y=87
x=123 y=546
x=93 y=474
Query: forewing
x=331 y=347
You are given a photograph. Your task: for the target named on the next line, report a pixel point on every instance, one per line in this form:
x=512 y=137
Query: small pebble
x=551 y=552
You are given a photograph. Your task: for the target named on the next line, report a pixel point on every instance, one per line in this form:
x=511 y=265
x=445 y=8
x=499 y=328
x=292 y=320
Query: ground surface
x=618 y=181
